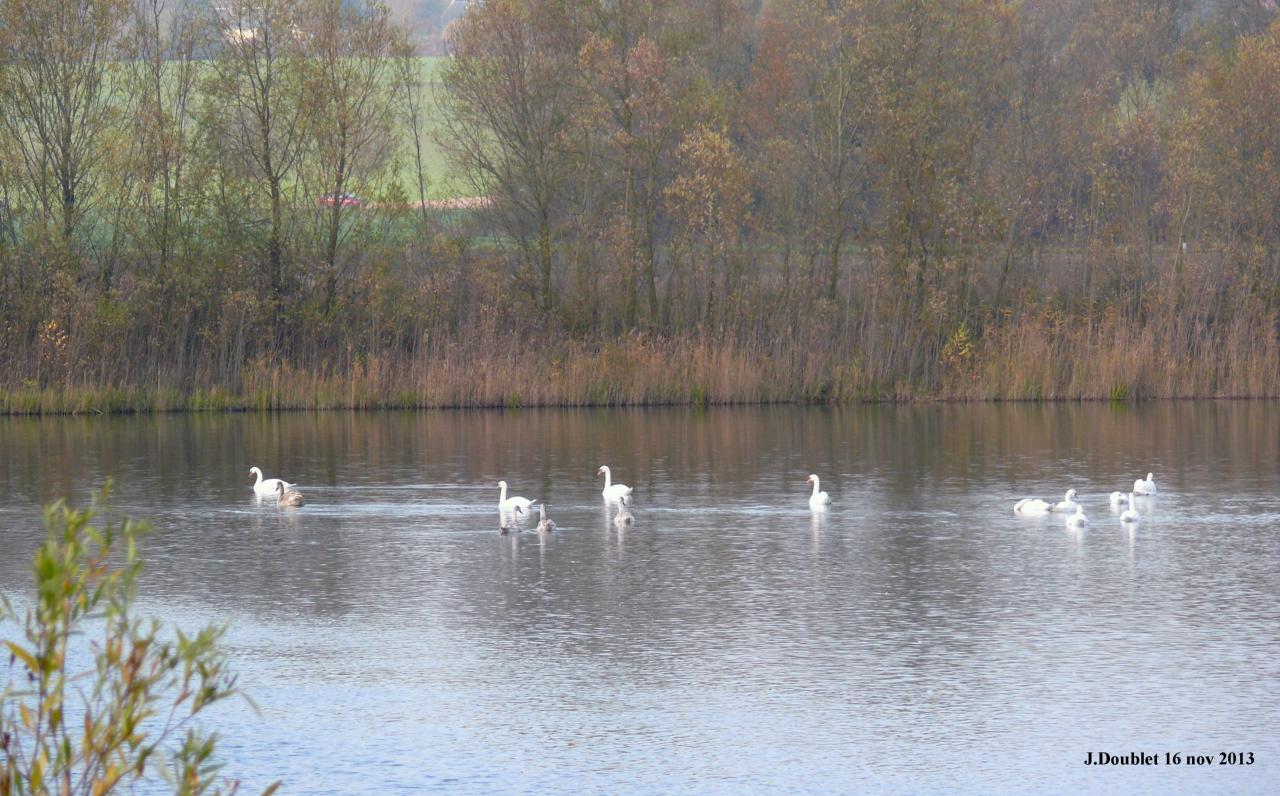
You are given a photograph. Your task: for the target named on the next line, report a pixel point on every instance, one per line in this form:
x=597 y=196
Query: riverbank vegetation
x=681 y=203
x=95 y=700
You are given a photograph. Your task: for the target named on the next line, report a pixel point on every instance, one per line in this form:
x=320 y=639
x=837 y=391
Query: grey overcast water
x=917 y=637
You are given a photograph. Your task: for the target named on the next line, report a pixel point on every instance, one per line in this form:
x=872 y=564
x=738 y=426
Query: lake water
x=916 y=637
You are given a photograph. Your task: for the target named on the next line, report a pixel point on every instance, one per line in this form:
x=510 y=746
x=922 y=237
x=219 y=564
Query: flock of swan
x=1142 y=487
x=511 y=508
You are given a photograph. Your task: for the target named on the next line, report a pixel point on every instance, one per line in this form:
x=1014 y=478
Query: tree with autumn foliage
x=506 y=119
x=847 y=198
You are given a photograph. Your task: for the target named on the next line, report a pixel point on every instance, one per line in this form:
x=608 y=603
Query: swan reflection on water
x=288 y=520
x=817 y=522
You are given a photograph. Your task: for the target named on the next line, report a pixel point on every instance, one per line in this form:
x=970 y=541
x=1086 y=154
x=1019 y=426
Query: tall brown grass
x=1040 y=357
x=1204 y=327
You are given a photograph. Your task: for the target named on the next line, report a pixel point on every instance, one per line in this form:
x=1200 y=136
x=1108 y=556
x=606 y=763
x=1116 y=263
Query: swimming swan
x=1068 y=502
x=289 y=498
x=266 y=488
x=1116 y=499
x=624 y=517
x=1130 y=514
x=1145 y=487
x=612 y=491
x=514 y=516
x=544 y=524
x=818 y=499
x=512 y=503
x=1078 y=520
x=1032 y=506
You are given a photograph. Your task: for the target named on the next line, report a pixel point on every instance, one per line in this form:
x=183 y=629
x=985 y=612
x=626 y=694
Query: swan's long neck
x=608 y=481
x=502 y=492
x=815 y=486
x=258 y=473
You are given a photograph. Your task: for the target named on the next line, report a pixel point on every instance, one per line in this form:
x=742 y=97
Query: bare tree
x=506 y=114
x=58 y=100
x=350 y=90
x=811 y=68
x=254 y=106
x=166 y=39
x=412 y=88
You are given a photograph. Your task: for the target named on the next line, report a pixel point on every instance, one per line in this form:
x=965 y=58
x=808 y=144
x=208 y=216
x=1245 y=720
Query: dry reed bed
x=1119 y=361
x=1035 y=359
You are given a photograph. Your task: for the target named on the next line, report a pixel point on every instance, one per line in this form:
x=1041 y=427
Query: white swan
x=267 y=488
x=1116 y=498
x=288 y=498
x=544 y=524
x=512 y=503
x=1145 y=486
x=819 y=498
x=1032 y=506
x=1068 y=502
x=612 y=491
x=1130 y=514
x=1078 y=520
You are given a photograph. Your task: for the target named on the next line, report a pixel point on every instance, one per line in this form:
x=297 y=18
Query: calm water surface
x=916 y=637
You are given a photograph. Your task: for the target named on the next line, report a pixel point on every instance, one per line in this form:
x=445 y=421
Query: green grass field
x=440 y=185
x=435 y=163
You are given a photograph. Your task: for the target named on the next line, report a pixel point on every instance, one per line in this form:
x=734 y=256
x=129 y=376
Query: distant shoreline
x=241 y=410
x=120 y=402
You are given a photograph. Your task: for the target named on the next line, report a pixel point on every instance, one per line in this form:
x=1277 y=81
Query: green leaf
x=27 y=658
